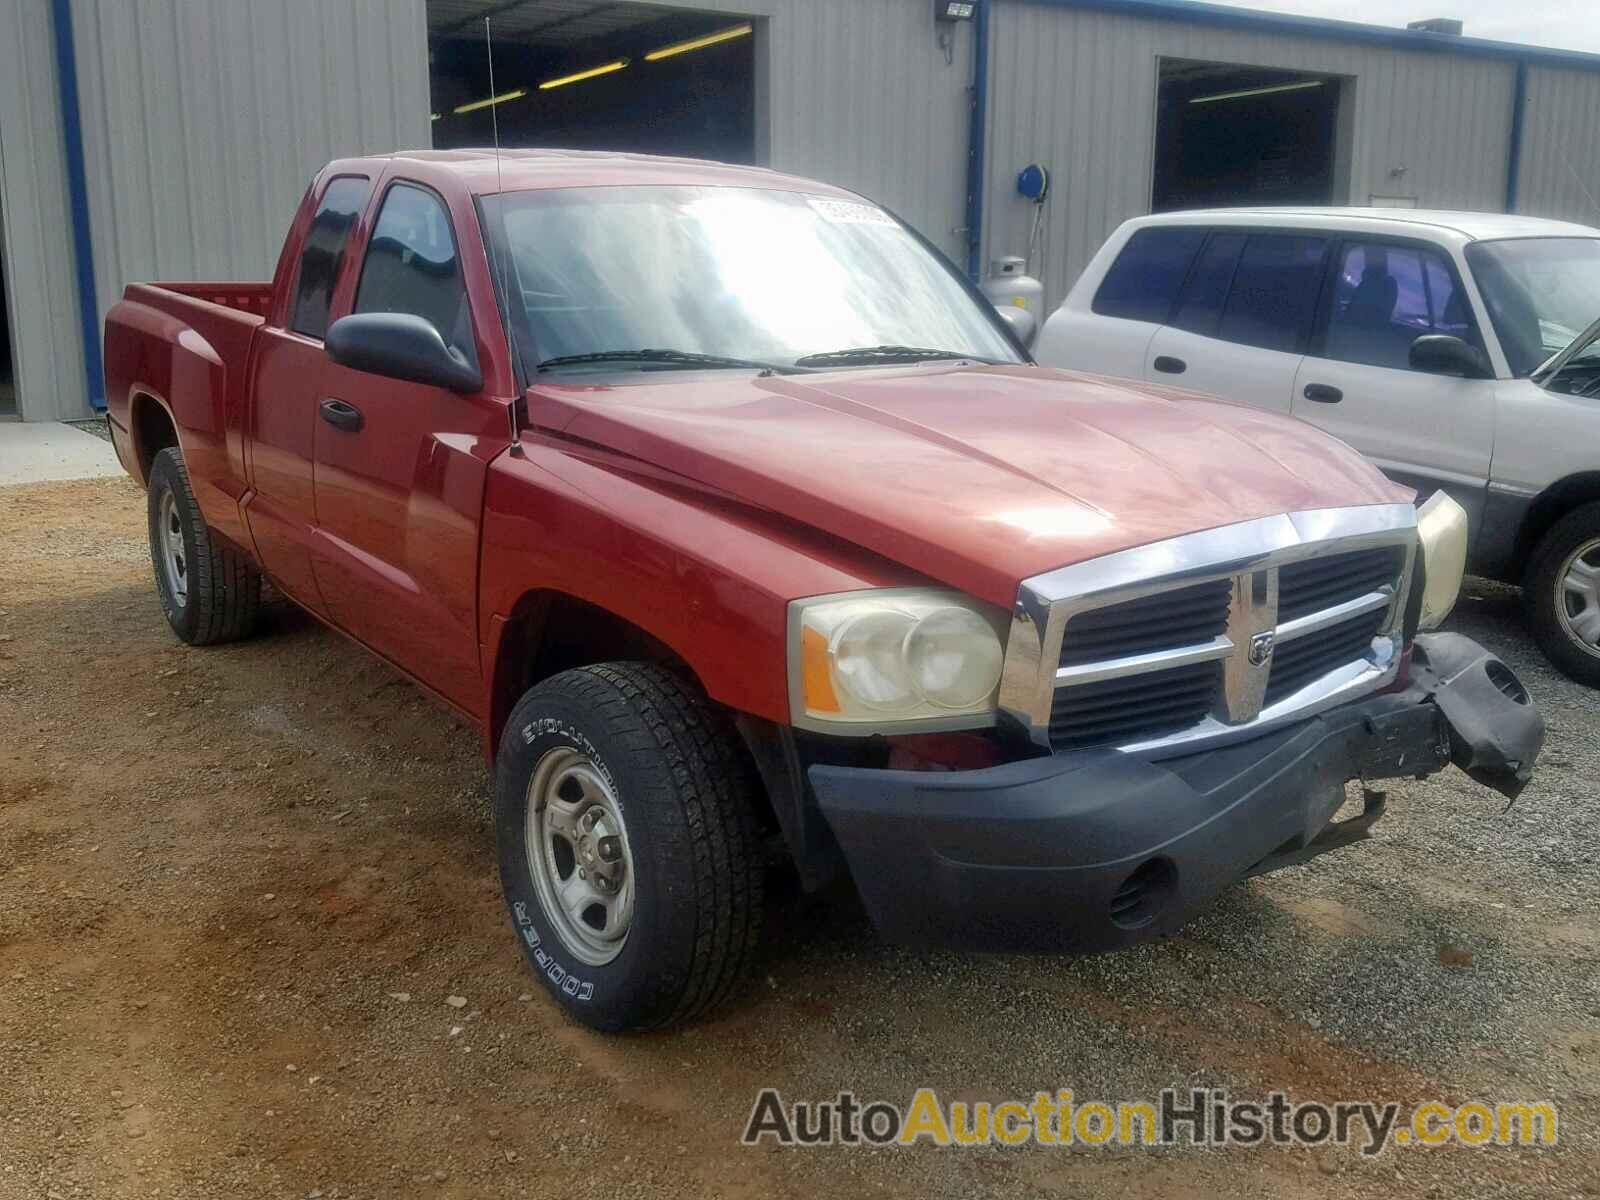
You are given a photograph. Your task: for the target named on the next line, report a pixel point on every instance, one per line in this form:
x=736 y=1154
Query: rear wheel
x=1562 y=592
x=209 y=593
x=629 y=854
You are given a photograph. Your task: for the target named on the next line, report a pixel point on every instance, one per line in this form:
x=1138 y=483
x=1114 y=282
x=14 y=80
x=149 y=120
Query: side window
x=1144 y=281
x=1274 y=292
x=1200 y=310
x=342 y=203
x=412 y=267
x=1385 y=297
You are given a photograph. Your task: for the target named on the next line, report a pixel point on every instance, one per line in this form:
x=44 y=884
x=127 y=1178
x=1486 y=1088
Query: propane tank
x=1010 y=287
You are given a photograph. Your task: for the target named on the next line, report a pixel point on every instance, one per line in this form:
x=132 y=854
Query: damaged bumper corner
x=1496 y=732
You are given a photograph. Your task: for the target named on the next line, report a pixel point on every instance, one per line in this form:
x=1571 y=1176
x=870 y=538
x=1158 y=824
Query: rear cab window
x=1144 y=281
x=323 y=253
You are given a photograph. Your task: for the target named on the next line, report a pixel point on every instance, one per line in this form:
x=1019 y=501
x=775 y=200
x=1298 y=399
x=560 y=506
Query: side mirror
x=400 y=346
x=1444 y=354
x=1022 y=322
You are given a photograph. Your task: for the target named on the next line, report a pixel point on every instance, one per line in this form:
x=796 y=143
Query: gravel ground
x=98 y=426
x=237 y=887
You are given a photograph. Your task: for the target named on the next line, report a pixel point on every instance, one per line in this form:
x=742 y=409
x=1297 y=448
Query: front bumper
x=1097 y=850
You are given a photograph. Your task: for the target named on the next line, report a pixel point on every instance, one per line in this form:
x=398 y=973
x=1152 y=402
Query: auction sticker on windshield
x=848 y=212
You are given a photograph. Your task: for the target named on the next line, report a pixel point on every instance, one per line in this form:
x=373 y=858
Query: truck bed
x=187 y=346
x=253 y=298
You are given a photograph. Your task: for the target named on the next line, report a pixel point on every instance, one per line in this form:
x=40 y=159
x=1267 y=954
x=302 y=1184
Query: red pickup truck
x=740 y=523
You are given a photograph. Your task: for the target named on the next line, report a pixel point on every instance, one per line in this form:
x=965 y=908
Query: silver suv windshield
x=1541 y=293
x=684 y=276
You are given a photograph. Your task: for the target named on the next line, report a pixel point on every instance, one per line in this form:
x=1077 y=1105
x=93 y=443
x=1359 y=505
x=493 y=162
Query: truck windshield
x=690 y=274
x=1541 y=293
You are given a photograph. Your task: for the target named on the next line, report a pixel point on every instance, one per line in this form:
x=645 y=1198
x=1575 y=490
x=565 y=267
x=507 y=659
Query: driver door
x=1426 y=431
x=401 y=466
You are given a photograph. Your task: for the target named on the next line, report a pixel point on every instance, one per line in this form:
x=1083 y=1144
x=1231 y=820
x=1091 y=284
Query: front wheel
x=629 y=854
x=209 y=592
x=1562 y=593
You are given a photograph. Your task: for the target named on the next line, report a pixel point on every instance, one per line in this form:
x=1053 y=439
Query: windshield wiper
x=670 y=359
x=884 y=354
x=1551 y=367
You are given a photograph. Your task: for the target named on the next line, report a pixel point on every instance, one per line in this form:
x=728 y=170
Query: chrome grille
x=1134 y=707
x=1297 y=663
x=1213 y=635
x=1318 y=583
x=1165 y=621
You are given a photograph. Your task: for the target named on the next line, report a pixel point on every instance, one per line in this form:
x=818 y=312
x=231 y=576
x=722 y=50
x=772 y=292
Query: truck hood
x=978 y=477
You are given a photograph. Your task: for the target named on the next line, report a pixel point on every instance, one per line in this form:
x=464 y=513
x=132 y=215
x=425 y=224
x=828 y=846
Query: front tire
x=209 y=593
x=629 y=854
x=1562 y=594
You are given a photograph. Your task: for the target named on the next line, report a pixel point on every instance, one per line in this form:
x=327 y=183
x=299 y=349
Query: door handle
x=1168 y=365
x=1323 y=393
x=341 y=415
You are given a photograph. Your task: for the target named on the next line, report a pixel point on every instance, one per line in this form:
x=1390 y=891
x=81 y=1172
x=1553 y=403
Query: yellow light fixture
x=491 y=101
x=1260 y=91
x=591 y=73
x=700 y=43
x=434 y=116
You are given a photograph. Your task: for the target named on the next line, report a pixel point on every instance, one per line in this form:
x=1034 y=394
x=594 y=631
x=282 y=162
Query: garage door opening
x=1229 y=135
x=576 y=74
x=8 y=376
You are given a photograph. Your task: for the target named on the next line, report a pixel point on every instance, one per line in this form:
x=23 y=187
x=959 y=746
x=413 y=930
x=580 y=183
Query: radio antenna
x=494 y=113
x=499 y=186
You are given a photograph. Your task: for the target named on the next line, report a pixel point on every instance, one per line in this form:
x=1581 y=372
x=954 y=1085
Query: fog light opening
x=1144 y=893
x=1508 y=684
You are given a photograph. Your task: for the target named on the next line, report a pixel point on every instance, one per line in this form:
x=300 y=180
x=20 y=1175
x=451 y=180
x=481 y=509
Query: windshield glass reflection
x=735 y=272
x=1541 y=293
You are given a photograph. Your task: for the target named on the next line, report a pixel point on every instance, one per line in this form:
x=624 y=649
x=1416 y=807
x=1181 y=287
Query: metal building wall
x=1076 y=90
x=46 y=346
x=1560 y=168
x=203 y=122
x=857 y=93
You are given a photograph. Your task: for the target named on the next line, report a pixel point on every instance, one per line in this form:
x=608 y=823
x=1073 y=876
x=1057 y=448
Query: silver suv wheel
x=1578 y=606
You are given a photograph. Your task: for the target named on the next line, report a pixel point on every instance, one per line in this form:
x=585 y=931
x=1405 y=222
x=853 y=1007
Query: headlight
x=869 y=659
x=1442 y=528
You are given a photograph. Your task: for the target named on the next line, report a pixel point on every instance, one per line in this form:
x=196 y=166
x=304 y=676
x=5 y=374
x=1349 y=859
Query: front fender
x=707 y=577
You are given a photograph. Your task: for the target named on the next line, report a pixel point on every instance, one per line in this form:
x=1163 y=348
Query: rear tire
x=629 y=853
x=209 y=593
x=1562 y=593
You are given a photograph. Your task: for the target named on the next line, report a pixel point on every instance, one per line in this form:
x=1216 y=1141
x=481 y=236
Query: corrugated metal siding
x=46 y=346
x=1076 y=90
x=858 y=94
x=1560 y=175
x=203 y=123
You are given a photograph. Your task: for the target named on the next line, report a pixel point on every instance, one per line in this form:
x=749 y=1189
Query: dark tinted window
x=1385 y=297
x=1200 y=310
x=1145 y=279
x=324 y=251
x=1274 y=291
x=412 y=267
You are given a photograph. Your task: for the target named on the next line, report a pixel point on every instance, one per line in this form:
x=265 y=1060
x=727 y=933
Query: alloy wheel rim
x=174 y=560
x=1578 y=596
x=578 y=855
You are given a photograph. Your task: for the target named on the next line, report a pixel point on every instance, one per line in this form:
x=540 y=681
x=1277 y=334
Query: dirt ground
x=238 y=885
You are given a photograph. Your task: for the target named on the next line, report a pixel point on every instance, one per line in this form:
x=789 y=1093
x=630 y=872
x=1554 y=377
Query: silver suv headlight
x=895 y=660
